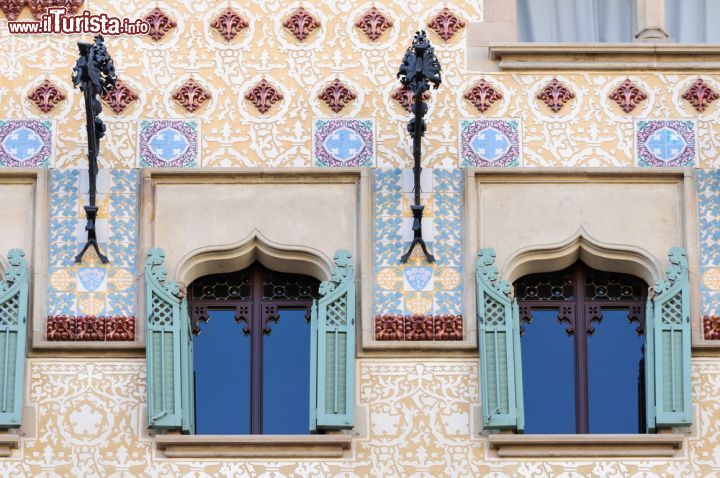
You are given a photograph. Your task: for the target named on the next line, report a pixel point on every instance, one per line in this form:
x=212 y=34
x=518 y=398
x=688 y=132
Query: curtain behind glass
x=693 y=21
x=576 y=21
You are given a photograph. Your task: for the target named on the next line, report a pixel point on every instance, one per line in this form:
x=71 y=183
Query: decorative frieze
x=446 y=24
x=191 y=95
x=46 y=95
x=396 y=327
x=405 y=97
x=40 y=7
x=159 y=23
x=90 y=329
x=555 y=95
x=263 y=96
x=482 y=95
x=119 y=97
x=711 y=327
x=12 y=8
x=336 y=95
x=374 y=24
x=627 y=96
x=301 y=24
x=700 y=95
x=229 y=24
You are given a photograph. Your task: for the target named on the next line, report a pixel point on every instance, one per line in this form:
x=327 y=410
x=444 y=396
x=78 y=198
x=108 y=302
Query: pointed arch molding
x=255 y=247
x=596 y=254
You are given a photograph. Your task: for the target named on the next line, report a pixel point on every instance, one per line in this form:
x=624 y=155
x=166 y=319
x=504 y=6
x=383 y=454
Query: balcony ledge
x=605 y=56
x=8 y=443
x=561 y=446
x=254 y=446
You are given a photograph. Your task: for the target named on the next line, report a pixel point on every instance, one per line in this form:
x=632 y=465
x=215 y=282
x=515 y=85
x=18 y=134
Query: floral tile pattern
x=169 y=144
x=343 y=143
x=417 y=288
x=93 y=288
x=26 y=143
x=708 y=187
x=666 y=143
x=489 y=143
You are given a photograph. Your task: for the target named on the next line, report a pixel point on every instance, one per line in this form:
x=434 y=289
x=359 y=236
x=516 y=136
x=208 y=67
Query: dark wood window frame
x=580 y=312
x=256 y=310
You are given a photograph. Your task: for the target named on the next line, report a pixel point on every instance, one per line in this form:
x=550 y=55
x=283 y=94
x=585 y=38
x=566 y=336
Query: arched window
x=582 y=339
x=251 y=351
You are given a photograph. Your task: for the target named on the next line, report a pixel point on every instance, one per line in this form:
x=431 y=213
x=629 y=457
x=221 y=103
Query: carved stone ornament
x=406 y=98
x=119 y=97
x=555 y=95
x=336 y=95
x=159 y=23
x=446 y=24
x=301 y=24
x=191 y=95
x=700 y=95
x=394 y=327
x=711 y=327
x=263 y=95
x=482 y=95
x=374 y=24
x=229 y=24
x=627 y=96
x=39 y=7
x=89 y=328
x=46 y=96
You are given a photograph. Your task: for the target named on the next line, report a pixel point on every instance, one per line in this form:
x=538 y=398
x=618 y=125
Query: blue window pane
x=614 y=375
x=221 y=355
x=286 y=375
x=548 y=368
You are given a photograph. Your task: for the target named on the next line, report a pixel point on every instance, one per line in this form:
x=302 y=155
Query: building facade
x=257 y=161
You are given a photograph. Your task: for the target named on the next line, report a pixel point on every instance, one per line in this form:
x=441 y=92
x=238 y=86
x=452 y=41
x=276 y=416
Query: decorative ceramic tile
x=90 y=328
x=92 y=288
x=169 y=144
x=489 y=143
x=26 y=143
x=708 y=188
x=711 y=327
x=666 y=143
x=343 y=143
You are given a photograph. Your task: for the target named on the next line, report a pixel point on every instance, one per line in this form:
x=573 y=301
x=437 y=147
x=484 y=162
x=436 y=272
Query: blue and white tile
x=27 y=143
x=64 y=181
x=344 y=143
x=418 y=278
x=387 y=180
x=708 y=190
x=169 y=144
x=489 y=143
x=448 y=180
x=666 y=143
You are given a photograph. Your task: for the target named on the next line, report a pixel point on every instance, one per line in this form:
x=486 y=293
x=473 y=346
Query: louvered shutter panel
x=649 y=362
x=499 y=342
x=163 y=348
x=187 y=371
x=13 y=327
x=671 y=344
x=332 y=394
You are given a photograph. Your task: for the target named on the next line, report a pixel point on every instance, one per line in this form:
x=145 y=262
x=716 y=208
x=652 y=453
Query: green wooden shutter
x=13 y=327
x=332 y=367
x=671 y=344
x=187 y=371
x=167 y=348
x=499 y=342
x=649 y=362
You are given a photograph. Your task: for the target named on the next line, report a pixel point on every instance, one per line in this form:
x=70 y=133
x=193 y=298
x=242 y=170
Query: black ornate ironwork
x=94 y=73
x=419 y=69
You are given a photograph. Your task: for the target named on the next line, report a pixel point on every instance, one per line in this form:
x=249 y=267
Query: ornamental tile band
x=39 y=7
x=419 y=327
x=191 y=95
x=700 y=95
x=389 y=327
x=666 y=143
x=336 y=95
x=343 y=143
x=396 y=327
x=26 y=143
x=482 y=95
x=12 y=8
x=160 y=24
x=489 y=143
x=119 y=97
x=711 y=327
x=301 y=24
x=405 y=97
x=90 y=329
x=229 y=24
x=46 y=96
x=628 y=96
x=169 y=144
x=263 y=96
x=446 y=24
x=374 y=24
x=555 y=95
